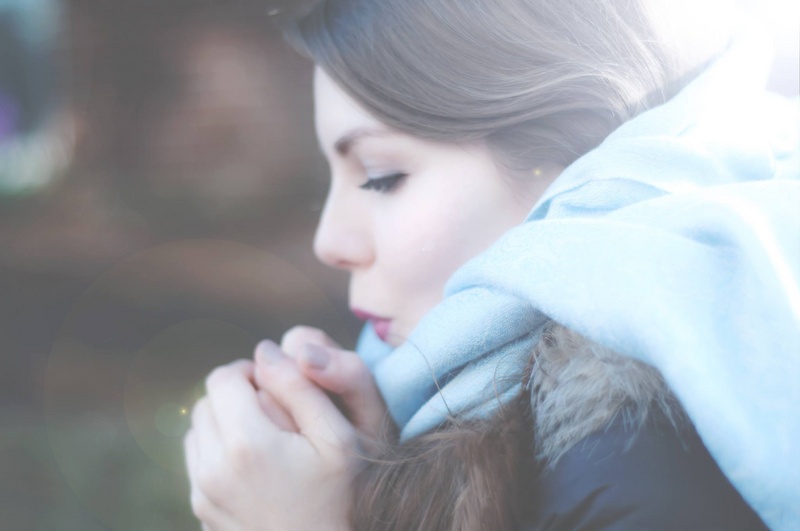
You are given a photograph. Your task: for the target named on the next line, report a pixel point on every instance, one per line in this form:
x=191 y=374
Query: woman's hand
x=344 y=375
x=250 y=472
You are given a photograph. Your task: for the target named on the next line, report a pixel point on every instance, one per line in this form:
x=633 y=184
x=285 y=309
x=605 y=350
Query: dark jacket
x=656 y=480
x=615 y=450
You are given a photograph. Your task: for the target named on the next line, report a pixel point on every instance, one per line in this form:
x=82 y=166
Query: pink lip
x=381 y=325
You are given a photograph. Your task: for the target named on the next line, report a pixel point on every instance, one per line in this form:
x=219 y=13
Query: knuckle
x=225 y=373
x=242 y=455
x=216 y=376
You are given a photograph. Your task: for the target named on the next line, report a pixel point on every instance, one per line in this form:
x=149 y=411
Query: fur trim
x=578 y=387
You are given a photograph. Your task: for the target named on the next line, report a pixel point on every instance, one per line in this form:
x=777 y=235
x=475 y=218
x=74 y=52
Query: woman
x=445 y=124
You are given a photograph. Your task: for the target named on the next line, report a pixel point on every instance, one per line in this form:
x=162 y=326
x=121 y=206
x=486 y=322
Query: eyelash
x=384 y=184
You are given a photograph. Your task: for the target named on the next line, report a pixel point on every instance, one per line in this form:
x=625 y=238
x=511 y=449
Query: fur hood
x=578 y=387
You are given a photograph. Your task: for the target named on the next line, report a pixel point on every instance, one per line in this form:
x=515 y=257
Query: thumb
x=343 y=373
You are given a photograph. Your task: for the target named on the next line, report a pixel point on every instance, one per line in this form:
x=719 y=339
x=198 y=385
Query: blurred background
x=159 y=188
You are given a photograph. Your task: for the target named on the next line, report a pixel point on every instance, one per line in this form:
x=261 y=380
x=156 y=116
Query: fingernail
x=268 y=352
x=316 y=356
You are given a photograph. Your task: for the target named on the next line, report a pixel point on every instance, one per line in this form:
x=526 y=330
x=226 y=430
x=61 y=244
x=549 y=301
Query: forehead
x=336 y=113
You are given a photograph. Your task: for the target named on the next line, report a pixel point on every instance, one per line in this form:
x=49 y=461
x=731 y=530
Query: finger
x=208 y=452
x=296 y=338
x=190 y=454
x=206 y=433
x=275 y=412
x=315 y=414
x=236 y=406
x=269 y=406
x=344 y=373
x=210 y=516
x=200 y=504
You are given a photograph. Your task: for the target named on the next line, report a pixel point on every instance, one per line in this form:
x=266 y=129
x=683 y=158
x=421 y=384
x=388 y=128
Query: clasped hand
x=274 y=443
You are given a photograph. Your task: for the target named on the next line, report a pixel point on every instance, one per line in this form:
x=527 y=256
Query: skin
x=268 y=448
x=401 y=246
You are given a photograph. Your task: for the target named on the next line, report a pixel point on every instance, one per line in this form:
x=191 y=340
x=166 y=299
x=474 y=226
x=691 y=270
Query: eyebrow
x=348 y=140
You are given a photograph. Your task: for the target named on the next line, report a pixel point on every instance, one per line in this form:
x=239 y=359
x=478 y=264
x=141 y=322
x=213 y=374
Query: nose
x=342 y=239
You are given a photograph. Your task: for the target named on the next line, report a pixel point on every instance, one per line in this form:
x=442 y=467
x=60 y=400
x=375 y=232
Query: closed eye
x=383 y=184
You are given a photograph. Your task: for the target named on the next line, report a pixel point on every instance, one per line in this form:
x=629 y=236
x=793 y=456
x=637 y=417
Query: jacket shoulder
x=614 y=449
x=654 y=479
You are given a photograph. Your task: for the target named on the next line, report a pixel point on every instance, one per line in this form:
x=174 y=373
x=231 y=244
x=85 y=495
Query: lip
x=381 y=325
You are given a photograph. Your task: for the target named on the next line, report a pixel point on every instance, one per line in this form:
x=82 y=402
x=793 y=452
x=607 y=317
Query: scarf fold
x=676 y=242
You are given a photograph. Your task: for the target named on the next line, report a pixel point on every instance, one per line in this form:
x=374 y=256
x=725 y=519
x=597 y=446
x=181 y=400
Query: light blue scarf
x=677 y=242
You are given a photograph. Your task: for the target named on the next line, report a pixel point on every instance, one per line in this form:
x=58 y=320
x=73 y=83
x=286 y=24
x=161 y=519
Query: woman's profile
x=565 y=245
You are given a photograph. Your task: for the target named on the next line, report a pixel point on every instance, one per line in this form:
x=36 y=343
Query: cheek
x=425 y=251
x=416 y=256
x=426 y=234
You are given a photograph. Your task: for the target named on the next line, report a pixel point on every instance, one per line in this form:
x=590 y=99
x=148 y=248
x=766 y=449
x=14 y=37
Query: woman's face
x=403 y=213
